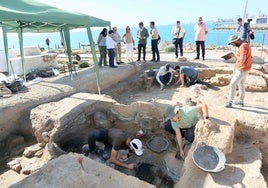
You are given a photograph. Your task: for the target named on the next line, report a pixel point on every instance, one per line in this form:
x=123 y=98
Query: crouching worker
x=188 y=75
x=164 y=76
x=183 y=123
x=119 y=140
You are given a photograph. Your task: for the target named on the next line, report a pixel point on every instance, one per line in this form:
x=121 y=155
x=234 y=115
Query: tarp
x=22 y=16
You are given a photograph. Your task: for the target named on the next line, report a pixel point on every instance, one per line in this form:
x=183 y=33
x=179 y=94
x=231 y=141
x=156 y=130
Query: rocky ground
x=254 y=114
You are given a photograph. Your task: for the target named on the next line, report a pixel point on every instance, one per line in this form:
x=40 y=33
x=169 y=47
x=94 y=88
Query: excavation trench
x=68 y=125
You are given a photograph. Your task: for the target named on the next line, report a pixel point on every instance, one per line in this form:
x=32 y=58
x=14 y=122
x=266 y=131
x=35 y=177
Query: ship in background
x=257 y=22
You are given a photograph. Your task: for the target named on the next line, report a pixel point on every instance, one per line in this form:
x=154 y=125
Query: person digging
x=119 y=140
x=182 y=124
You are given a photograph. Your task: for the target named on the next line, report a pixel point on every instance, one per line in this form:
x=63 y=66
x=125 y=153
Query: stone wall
x=72 y=117
x=14 y=117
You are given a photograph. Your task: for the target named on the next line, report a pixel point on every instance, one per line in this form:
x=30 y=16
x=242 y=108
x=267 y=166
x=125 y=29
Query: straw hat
x=233 y=38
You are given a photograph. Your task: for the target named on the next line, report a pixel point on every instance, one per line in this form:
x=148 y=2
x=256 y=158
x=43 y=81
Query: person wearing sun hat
x=183 y=122
x=242 y=67
x=119 y=140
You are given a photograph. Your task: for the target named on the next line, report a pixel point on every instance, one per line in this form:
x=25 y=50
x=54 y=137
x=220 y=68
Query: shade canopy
x=31 y=16
x=34 y=16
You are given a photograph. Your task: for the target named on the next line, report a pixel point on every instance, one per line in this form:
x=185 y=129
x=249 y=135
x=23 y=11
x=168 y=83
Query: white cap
x=136 y=144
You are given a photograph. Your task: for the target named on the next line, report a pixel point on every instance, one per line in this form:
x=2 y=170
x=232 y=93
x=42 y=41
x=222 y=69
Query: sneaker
x=196 y=58
x=239 y=103
x=228 y=104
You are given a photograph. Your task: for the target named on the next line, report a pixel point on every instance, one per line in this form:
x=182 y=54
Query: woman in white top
x=129 y=42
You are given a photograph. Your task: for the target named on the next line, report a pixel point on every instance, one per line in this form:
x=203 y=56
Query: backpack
x=159 y=39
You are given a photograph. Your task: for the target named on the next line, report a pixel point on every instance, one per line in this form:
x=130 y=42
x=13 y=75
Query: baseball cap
x=136 y=144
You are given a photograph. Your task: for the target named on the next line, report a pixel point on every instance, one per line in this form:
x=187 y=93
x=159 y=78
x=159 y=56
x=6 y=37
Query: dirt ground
x=255 y=102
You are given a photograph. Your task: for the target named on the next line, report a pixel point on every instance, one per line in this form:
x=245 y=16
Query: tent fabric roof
x=34 y=16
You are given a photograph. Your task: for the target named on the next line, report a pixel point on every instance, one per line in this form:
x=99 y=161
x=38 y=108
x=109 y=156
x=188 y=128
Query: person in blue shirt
x=188 y=75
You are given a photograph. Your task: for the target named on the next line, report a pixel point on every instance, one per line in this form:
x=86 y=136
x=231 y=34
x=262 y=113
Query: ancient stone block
x=30 y=151
x=14 y=165
x=255 y=83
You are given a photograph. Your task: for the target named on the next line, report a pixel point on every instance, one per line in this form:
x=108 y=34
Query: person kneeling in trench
x=119 y=140
x=188 y=75
x=184 y=121
x=164 y=76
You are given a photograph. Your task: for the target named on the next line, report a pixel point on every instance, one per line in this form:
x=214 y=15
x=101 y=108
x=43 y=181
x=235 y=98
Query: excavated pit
x=71 y=138
x=251 y=135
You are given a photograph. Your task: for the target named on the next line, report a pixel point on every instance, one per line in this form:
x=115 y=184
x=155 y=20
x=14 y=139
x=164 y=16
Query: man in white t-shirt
x=164 y=76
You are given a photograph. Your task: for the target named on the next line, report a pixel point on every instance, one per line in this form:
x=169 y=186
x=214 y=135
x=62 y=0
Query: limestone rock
x=255 y=83
x=26 y=171
x=182 y=59
x=30 y=151
x=220 y=136
x=14 y=165
x=66 y=171
x=45 y=137
x=52 y=151
x=101 y=120
x=38 y=154
x=220 y=80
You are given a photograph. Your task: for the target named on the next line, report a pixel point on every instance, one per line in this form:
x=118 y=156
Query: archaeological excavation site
x=43 y=130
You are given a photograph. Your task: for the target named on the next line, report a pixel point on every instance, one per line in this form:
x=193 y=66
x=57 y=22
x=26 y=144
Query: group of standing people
x=114 y=46
x=111 y=41
x=142 y=35
x=178 y=33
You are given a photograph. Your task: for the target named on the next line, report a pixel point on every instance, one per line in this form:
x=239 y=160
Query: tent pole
x=66 y=33
x=6 y=47
x=22 y=52
x=95 y=60
x=62 y=39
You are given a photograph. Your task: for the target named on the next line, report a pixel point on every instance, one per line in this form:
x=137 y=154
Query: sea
x=79 y=37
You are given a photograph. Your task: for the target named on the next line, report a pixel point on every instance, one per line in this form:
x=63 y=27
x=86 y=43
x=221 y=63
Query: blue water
x=214 y=37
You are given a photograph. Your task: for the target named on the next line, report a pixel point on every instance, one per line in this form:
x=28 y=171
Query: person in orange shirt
x=243 y=66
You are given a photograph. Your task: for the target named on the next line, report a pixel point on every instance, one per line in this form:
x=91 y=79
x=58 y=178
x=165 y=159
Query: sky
x=130 y=12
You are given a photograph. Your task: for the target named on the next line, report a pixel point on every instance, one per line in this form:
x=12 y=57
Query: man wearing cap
x=119 y=140
x=243 y=66
x=164 y=76
x=182 y=124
